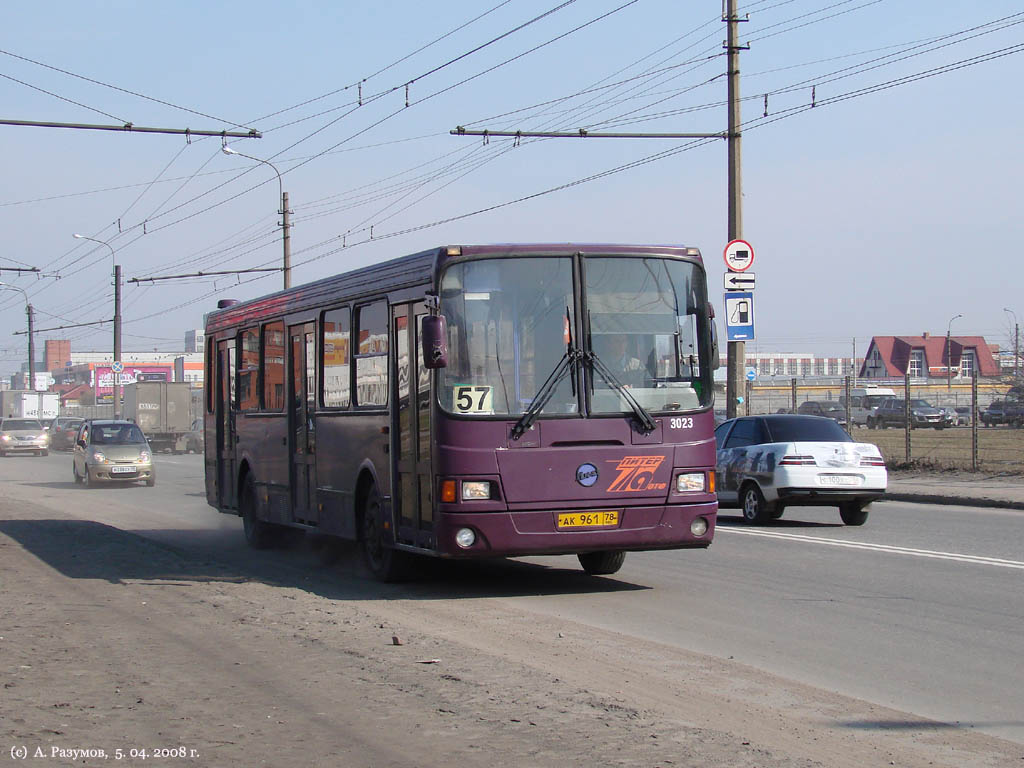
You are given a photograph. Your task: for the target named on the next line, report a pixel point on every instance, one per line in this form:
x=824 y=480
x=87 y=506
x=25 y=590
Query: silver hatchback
x=112 y=451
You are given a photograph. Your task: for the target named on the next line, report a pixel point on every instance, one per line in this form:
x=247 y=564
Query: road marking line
x=976 y=559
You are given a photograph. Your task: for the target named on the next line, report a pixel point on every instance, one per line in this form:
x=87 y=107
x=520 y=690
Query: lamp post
x=117 y=321
x=31 y=343
x=285 y=213
x=1016 y=341
x=949 y=359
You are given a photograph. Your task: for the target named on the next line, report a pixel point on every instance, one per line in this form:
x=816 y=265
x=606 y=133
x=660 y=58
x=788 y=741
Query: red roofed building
x=927 y=357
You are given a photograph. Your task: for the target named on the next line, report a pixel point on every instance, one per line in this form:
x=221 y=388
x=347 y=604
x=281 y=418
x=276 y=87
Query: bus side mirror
x=434 y=338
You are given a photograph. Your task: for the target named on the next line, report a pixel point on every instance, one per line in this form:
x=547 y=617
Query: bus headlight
x=690 y=481
x=475 y=490
x=465 y=537
x=699 y=526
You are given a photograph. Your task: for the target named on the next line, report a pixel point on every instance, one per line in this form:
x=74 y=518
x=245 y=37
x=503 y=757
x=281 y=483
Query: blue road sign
x=751 y=374
x=739 y=315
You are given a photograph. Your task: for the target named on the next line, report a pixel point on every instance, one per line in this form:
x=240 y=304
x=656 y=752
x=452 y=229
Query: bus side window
x=335 y=351
x=372 y=354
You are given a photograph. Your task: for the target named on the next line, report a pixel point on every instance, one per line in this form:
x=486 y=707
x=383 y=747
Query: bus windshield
x=511 y=321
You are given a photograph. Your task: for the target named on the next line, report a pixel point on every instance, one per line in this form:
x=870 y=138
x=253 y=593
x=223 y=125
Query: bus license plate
x=122 y=470
x=588 y=519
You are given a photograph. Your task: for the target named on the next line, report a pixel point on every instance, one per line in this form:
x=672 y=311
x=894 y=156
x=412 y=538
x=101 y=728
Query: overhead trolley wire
x=124 y=90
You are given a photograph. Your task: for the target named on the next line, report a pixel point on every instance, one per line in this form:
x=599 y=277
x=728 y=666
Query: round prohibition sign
x=739 y=255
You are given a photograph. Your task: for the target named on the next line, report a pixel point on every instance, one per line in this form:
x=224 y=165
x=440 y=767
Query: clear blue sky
x=886 y=213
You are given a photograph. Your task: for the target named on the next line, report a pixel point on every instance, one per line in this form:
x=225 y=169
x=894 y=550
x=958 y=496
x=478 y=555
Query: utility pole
x=285 y=213
x=117 y=339
x=737 y=349
x=286 y=237
x=31 y=350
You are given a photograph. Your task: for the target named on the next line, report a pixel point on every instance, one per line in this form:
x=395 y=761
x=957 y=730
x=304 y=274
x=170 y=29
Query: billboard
x=102 y=378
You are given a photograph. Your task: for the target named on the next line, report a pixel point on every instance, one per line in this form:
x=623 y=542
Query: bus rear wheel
x=383 y=561
x=601 y=563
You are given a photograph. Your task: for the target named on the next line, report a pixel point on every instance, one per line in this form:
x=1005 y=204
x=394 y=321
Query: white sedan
x=767 y=463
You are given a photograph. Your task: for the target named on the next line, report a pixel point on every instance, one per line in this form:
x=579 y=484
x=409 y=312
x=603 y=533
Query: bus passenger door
x=225 y=413
x=302 y=422
x=412 y=486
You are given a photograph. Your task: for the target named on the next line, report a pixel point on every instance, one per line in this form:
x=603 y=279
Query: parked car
x=768 y=463
x=112 y=450
x=892 y=413
x=1003 y=412
x=823 y=408
x=63 y=431
x=23 y=436
x=963 y=415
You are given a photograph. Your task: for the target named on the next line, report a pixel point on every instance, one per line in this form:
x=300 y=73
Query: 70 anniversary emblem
x=636 y=473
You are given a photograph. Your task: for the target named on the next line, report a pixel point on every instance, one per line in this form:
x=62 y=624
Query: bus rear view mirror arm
x=434 y=337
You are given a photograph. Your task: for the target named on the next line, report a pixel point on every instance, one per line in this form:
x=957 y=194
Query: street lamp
x=1016 y=341
x=949 y=359
x=117 y=321
x=31 y=343
x=285 y=213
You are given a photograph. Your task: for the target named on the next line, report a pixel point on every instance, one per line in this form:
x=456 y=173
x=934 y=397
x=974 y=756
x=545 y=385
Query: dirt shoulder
x=111 y=641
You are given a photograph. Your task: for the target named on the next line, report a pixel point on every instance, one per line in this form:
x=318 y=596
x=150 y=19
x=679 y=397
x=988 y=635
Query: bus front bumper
x=536 y=532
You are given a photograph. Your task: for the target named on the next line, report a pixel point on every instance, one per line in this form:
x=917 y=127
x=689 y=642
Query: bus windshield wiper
x=566 y=365
x=643 y=418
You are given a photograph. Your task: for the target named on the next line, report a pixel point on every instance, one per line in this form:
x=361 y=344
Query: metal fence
x=969 y=446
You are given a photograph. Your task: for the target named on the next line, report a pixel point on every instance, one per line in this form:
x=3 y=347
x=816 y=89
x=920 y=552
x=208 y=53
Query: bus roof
x=409 y=271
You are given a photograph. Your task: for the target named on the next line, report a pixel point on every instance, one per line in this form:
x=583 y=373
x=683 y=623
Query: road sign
x=739 y=255
x=739 y=281
x=117 y=366
x=739 y=315
x=751 y=374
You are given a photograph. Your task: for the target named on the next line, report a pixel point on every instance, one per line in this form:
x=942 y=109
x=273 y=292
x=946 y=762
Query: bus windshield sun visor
x=566 y=365
x=644 y=419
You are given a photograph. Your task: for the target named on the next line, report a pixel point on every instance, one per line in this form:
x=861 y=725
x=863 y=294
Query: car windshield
x=920 y=404
x=806 y=429
x=116 y=434
x=30 y=424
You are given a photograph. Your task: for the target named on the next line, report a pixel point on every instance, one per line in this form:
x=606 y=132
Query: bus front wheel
x=383 y=561
x=601 y=563
x=258 y=533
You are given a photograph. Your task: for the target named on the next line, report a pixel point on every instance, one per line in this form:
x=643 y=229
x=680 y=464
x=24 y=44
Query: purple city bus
x=470 y=402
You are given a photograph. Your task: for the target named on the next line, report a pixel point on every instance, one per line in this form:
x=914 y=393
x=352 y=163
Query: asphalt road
x=920 y=610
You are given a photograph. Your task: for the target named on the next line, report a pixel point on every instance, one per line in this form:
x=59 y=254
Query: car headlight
x=6 y=438
x=689 y=482
x=144 y=457
x=97 y=456
x=475 y=490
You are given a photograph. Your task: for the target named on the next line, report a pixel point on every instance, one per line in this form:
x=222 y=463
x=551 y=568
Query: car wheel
x=755 y=508
x=383 y=561
x=853 y=512
x=602 y=563
x=44 y=453
x=871 y=424
x=151 y=480
x=258 y=533
x=89 y=481
x=74 y=471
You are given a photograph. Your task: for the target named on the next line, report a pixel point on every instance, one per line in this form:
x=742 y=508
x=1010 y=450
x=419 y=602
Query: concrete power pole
x=287 y=238
x=117 y=338
x=31 y=351
x=737 y=349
